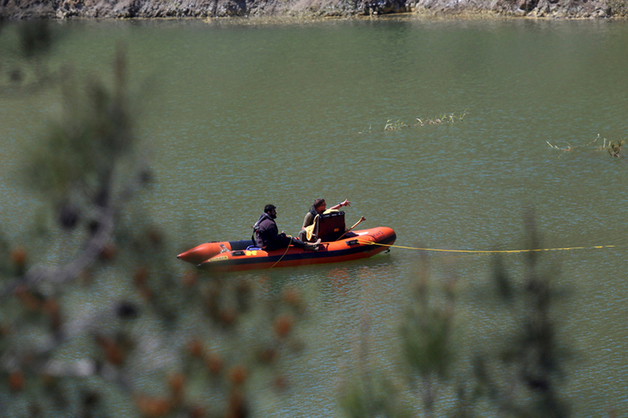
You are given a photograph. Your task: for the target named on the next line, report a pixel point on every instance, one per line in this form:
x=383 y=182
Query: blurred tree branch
x=25 y=47
x=523 y=377
x=89 y=335
x=75 y=169
x=518 y=373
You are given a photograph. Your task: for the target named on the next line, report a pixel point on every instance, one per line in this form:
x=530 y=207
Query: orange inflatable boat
x=335 y=247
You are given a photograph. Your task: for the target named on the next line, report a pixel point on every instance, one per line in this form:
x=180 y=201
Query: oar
x=362 y=218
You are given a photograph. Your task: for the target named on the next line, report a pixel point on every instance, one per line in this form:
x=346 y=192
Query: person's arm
x=307 y=221
x=341 y=204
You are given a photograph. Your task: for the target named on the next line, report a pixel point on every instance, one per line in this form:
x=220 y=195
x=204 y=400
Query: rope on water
x=595 y=247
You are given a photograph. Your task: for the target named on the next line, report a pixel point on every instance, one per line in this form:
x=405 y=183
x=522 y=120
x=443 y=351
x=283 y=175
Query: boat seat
x=330 y=226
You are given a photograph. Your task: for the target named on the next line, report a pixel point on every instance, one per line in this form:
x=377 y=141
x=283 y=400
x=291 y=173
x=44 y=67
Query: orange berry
x=237 y=407
x=4 y=330
x=153 y=407
x=214 y=363
x=16 y=381
x=197 y=412
x=108 y=252
x=113 y=352
x=51 y=307
x=155 y=236
x=27 y=298
x=283 y=325
x=281 y=382
x=177 y=384
x=18 y=257
x=195 y=347
x=141 y=276
x=228 y=316
x=292 y=297
x=189 y=279
x=238 y=375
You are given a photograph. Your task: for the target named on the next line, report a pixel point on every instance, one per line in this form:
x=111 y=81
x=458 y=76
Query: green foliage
x=427 y=344
x=373 y=395
x=369 y=392
x=76 y=162
x=36 y=38
x=427 y=332
x=518 y=373
x=110 y=326
x=427 y=335
x=24 y=48
x=530 y=359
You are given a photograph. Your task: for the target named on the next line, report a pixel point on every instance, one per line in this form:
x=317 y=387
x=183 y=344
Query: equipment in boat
x=337 y=244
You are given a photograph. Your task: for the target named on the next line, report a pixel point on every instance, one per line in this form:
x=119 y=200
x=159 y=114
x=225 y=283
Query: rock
x=124 y=9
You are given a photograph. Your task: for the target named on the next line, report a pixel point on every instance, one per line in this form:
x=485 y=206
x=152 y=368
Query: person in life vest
x=267 y=235
x=319 y=207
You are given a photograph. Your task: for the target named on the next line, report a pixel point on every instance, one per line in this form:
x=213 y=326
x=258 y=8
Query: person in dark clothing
x=268 y=238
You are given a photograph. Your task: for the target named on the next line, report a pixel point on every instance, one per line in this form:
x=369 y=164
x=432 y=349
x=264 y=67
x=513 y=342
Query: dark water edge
x=309 y=9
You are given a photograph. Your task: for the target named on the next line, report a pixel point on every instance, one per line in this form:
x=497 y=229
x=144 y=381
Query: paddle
x=362 y=218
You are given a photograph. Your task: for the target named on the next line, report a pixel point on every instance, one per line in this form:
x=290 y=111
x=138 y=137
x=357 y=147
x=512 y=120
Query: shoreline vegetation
x=261 y=11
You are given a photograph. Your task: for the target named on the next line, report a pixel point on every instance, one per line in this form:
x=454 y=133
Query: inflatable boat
x=337 y=245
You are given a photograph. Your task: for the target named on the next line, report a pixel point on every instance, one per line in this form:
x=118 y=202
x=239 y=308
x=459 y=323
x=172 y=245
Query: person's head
x=320 y=205
x=271 y=210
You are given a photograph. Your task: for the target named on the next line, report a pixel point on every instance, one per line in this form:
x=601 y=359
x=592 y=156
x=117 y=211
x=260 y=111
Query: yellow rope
x=284 y=253
x=488 y=251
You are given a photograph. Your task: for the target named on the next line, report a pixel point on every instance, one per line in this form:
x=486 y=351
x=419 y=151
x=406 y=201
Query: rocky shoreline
x=308 y=9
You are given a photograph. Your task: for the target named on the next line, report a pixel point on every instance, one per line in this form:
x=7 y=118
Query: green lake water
x=238 y=116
